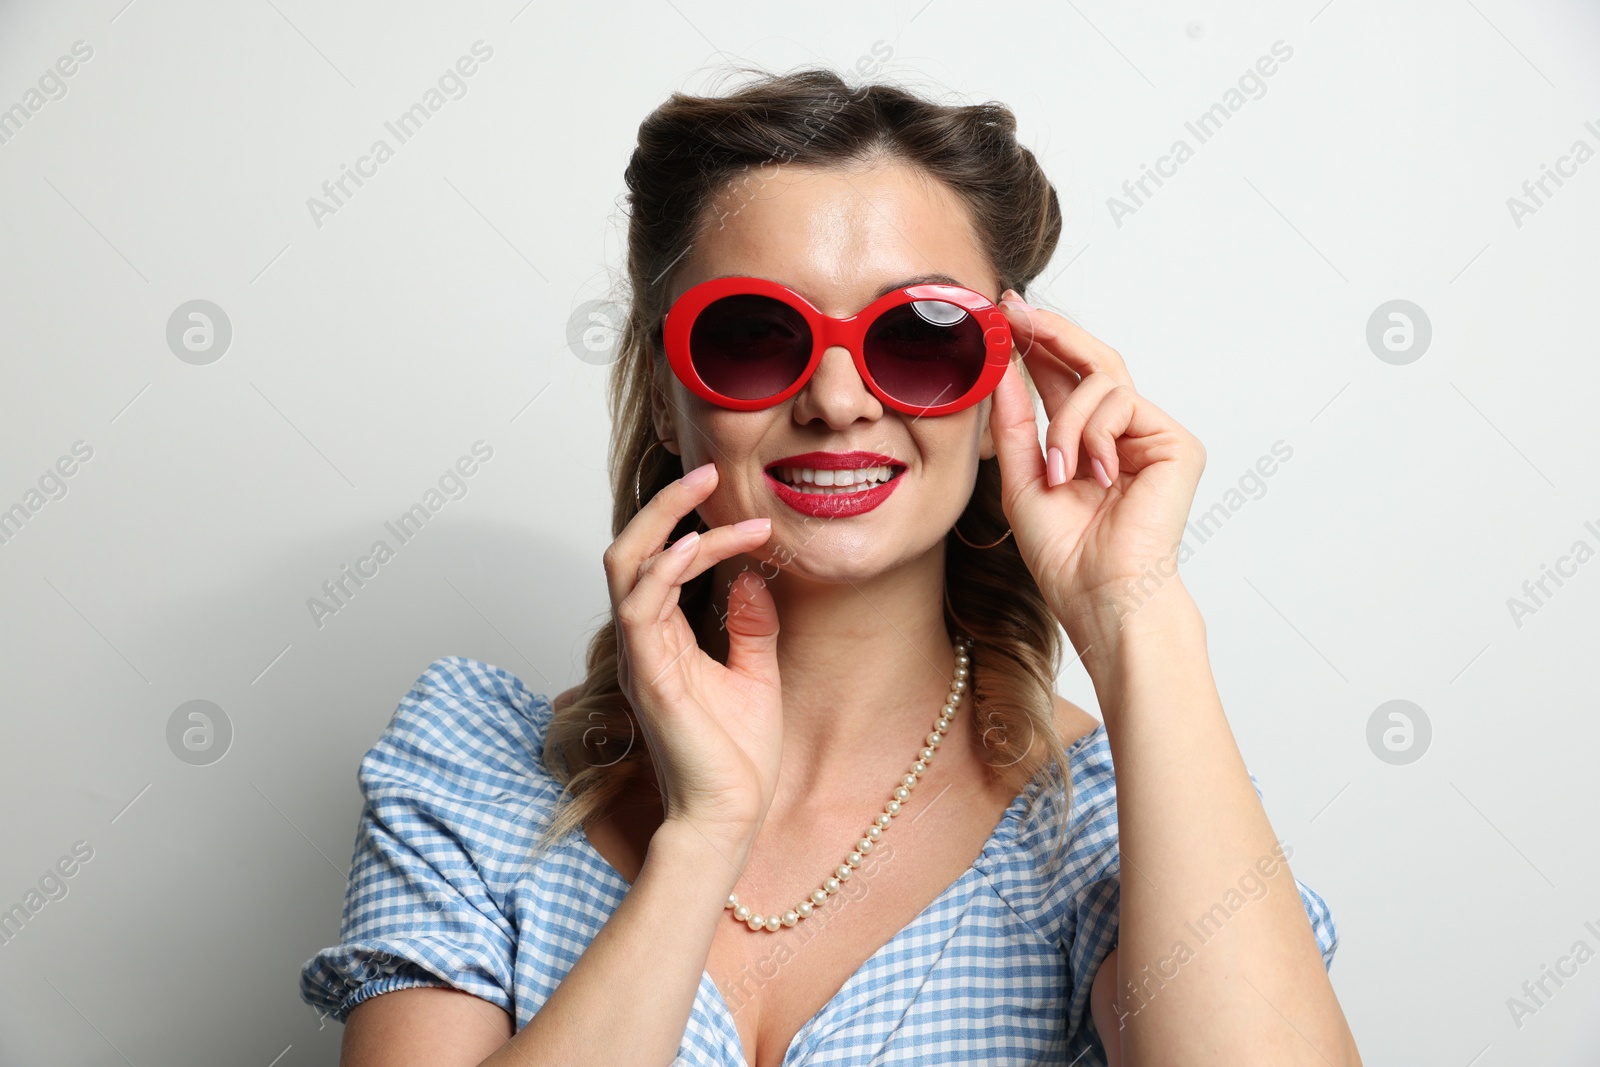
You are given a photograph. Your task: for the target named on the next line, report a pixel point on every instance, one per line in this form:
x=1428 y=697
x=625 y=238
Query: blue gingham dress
x=996 y=970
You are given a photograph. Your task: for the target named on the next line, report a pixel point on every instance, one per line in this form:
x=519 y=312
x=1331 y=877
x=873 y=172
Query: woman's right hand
x=714 y=731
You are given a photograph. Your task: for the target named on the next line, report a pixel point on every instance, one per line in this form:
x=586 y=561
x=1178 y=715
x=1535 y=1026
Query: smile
x=824 y=481
x=834 y=484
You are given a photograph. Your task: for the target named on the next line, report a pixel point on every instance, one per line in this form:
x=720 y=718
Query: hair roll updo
x=690 y=149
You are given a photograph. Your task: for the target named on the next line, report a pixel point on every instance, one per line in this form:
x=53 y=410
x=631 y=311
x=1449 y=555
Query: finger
x=706 y=550
x=658 y=579
x=1051 y=340
x=752 y=628
x=723 y=542
x=647 y=532
x=1065 y=430
x=1053 y=379
x=1105 y=424
x=1014 y=427
x=1129 y=433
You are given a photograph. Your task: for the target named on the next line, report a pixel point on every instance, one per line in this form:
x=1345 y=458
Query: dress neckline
x=1005 y=830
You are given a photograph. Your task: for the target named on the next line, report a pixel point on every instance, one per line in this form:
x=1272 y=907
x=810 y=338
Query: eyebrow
x=921 y=279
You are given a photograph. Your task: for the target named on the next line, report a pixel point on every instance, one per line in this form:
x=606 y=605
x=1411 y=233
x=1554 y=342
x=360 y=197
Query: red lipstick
x=836 y=505
x=834 y=461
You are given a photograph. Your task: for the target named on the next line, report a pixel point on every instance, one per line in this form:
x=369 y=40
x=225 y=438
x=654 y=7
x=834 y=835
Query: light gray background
x=432 y=311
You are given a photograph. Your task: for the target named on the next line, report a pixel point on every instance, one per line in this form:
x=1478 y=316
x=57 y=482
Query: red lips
x=834 y=505
x=834 y=461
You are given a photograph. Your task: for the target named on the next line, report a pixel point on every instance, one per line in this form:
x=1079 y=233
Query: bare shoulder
x=1072 y=722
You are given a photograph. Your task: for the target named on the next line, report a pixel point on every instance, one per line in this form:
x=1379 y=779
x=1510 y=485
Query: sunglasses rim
x=828 y=331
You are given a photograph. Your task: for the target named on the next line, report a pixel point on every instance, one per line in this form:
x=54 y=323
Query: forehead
x=837 y=236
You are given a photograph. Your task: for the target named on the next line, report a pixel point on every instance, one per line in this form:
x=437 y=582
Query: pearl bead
x=893 y=807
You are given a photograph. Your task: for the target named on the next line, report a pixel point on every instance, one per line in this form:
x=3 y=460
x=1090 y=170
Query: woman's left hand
x=1085 y=537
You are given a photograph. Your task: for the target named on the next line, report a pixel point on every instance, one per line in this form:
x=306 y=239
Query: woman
x=841 y=570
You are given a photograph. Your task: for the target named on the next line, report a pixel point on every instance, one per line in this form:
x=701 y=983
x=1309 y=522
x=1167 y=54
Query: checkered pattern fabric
x=996 y=970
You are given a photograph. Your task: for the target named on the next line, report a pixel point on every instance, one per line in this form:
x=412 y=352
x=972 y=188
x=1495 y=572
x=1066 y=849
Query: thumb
x=752 y=628
x=1015 y=430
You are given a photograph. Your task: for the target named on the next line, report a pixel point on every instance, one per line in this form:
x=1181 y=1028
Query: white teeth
x=807 y=479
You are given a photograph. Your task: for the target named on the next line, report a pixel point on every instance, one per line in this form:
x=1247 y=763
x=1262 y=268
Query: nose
x=836 y=393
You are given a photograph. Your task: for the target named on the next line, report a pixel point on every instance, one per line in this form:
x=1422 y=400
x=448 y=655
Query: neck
x=865 y=665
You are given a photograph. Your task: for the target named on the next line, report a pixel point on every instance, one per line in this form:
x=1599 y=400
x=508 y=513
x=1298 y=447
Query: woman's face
x=840 y=238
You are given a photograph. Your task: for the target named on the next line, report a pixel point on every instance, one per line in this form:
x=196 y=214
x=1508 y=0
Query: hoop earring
x=638 y=476
x=956 y=529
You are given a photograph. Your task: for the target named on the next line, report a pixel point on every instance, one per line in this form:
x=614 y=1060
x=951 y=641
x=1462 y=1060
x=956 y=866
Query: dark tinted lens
x=748 y=346
x=927 y=352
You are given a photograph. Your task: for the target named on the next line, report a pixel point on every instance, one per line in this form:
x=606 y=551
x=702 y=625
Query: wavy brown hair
x=692 y=148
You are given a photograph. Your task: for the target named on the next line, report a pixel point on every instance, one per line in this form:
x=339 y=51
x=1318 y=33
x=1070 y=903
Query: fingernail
x=1055 y=466
x=700 y=475
x=753 y=525
x=687 y=541
x=1100 y=474
x=1017 y=302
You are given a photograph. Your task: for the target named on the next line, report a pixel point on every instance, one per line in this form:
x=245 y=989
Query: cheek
x=707 y=433
x=733 y=441
x=952 y=453
x=984 y=437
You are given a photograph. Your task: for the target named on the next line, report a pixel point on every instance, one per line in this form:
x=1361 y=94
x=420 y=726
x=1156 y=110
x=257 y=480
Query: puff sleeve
x=421 y=907
x=1088 y=891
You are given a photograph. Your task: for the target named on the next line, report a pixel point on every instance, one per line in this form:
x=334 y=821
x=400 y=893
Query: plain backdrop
x=372 y=346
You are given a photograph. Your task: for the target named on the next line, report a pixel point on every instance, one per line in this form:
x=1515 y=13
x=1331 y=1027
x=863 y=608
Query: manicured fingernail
x=1015 y=301
x=700 y=475
x=687 y=541
x=753 y=525
x=1100 y=474
x=1055 y=466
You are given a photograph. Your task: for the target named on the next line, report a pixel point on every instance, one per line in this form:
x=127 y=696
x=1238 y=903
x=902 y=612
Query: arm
x=1103 y=1009
x=1191 y=829
x=649 y=956
x=1221 y=965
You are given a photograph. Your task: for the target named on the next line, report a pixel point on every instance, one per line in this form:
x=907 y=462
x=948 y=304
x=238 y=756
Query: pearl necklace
x=908 y=782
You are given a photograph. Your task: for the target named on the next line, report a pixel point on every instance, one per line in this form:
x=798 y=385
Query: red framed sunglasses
x=750 y=343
